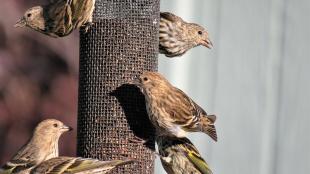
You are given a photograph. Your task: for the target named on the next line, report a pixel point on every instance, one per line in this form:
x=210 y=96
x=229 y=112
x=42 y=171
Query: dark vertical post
x=122 y=43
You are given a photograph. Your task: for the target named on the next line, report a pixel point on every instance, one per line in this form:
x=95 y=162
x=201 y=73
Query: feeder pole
x=122 y=43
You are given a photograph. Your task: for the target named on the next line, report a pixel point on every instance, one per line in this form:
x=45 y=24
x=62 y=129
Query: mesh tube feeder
x=122 y=43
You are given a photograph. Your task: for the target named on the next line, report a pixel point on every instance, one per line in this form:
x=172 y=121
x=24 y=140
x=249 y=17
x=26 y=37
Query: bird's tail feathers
x=207 y=126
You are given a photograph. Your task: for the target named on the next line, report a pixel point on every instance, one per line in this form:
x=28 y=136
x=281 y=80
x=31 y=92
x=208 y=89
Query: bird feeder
x=122 y=43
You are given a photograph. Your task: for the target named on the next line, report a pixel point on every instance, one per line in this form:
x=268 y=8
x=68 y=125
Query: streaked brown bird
x=42 y=146
x=176 y=36
x=66 y=165
x=59 y=18
x=170 y=110
x=180 y=156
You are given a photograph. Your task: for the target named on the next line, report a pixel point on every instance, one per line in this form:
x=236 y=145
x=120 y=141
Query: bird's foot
x=86 y=26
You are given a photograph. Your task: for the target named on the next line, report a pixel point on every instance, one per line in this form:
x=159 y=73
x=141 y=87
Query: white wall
x=256 y=80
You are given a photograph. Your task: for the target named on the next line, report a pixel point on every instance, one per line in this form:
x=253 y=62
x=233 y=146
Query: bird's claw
x=87 y=26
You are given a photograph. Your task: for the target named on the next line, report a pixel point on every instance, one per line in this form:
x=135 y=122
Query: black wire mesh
x=122 y=43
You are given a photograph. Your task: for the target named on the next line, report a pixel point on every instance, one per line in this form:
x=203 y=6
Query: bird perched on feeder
x=59 y=18
x=170 y=110
x=72 y=165
x=42 y=146
x=180 y=156
x=176 y=36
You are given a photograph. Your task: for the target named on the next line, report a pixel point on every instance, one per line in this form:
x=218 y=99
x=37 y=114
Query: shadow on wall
x=135 y=112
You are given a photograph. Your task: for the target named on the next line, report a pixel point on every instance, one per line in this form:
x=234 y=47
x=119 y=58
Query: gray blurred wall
x=256 y=80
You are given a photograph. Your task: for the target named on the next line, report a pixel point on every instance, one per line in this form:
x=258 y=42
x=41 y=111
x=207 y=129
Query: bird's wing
x=170 y=23
x=23 y=159
x=78 y=9
x=194 y=157
x=185 y=107
x=16 y=163
x=195 y=109
x=171 y=17
x=14 y=166
x=184 y=113
x=76 y=165
x=53 y=166
x=6 y=169
x=59 y=18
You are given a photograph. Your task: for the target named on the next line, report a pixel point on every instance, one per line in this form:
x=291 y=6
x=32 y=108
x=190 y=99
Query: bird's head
x=51 y=128
x=200 y=35
x=32 y=18
x=151 y=82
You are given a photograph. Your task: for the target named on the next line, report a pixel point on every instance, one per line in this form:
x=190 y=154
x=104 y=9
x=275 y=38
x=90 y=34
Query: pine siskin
x=42 y=146
x=59 y=18
x=176 y=36
x=72 y=165
x=180 y=156
x=170 y=110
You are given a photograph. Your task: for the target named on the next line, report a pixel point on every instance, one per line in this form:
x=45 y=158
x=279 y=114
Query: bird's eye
x=145 y=79
x=200 y=32
x=29 y=15
x=55 y=125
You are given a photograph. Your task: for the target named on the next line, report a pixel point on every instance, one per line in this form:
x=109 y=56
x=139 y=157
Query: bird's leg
x=86 y=26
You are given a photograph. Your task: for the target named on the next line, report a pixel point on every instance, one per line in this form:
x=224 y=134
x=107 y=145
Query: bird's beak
x=20 y=23
x=66 y=128
x=207 y=43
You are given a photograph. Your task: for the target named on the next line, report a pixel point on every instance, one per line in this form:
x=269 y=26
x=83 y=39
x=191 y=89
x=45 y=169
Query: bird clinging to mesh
x=180 y=156
x=59 y=18
x=77 y=165
x=176 y=36
x=170 y=110
x=42 y=146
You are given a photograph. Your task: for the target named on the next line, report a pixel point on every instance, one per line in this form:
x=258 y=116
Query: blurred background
x=255 y=80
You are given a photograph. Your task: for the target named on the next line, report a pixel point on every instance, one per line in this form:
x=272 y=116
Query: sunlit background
x=256 y=80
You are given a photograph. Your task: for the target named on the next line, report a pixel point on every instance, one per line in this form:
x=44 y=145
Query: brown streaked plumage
x=77 y=165
x=171 y=111
x=176 y=36
x=59 y=18
x=180 y=156
x=43 y=145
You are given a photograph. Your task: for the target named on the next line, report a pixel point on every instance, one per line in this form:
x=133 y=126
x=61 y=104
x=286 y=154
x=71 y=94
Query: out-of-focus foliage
x=38 y=80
